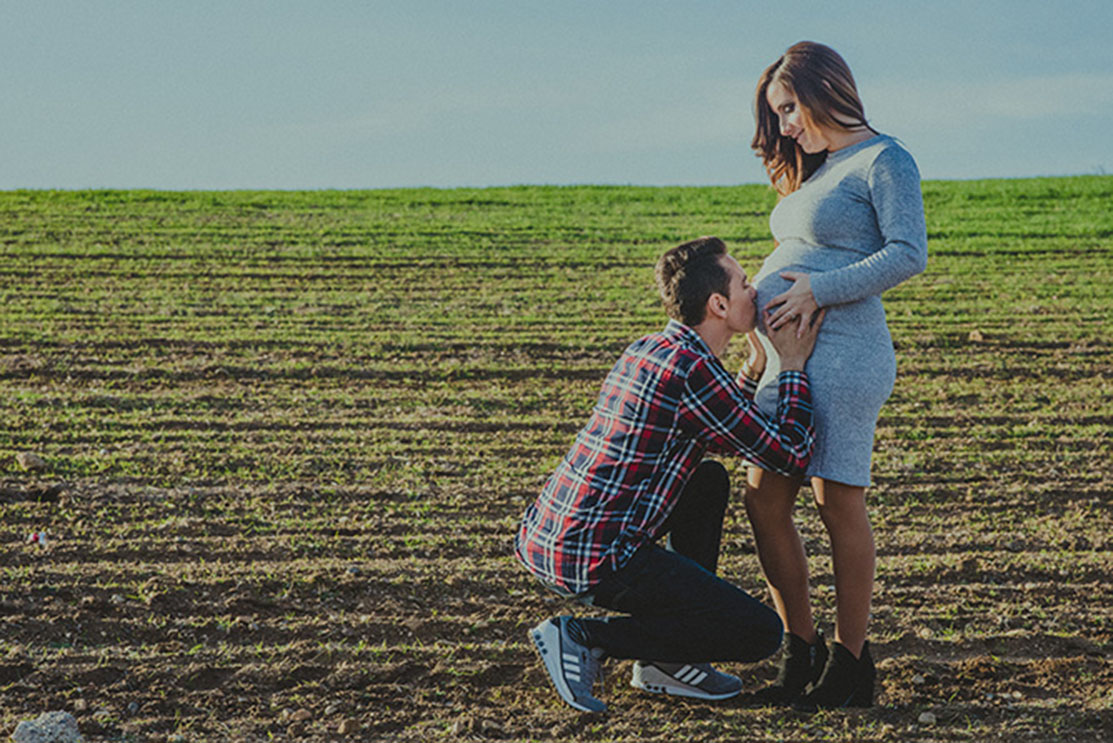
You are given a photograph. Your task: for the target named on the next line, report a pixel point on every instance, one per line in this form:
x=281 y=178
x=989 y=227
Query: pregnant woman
x=849 y=225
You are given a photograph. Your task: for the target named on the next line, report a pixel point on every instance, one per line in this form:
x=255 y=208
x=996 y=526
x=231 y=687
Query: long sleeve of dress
x=894 y=188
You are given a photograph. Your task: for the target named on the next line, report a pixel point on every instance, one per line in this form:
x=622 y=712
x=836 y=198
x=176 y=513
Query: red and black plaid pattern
x=667 y=401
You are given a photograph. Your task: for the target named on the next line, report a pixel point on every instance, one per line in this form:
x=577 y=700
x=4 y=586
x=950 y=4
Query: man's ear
x=717 y=305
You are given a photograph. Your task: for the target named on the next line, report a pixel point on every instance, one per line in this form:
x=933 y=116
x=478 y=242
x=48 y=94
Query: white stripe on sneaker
x=686 y=673
x=698 y=679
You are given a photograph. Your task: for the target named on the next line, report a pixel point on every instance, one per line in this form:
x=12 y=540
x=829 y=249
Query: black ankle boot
x=846 y=681
x=801 y=664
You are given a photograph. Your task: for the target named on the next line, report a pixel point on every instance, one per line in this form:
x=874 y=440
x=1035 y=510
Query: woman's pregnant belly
x=864 y=318
x=854 y=348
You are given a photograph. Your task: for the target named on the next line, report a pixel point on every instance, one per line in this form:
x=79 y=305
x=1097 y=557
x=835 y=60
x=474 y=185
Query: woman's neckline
x=853 y=147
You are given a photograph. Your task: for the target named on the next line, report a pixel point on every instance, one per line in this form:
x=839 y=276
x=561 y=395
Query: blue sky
x=220 y=95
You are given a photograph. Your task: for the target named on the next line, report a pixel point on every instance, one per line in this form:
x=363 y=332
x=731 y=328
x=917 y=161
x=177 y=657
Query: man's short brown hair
x=690 y=273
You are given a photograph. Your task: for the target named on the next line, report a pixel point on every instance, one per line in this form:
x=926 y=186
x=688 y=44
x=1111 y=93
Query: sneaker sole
x=546 y=638
x=674 y=689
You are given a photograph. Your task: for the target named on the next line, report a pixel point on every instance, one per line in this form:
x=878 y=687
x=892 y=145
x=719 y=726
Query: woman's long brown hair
x=825 y=89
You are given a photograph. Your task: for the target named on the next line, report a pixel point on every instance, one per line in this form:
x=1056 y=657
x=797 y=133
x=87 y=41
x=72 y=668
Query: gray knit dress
x=856 y=226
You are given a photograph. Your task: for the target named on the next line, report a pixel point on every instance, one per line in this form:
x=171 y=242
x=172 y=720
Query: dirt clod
x=31 y=462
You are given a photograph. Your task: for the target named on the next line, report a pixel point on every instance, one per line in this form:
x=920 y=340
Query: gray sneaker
x=697 y=680
x=572 y=667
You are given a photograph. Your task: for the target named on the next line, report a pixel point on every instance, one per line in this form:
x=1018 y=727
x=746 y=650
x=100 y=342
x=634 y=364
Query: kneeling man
x=631 y=520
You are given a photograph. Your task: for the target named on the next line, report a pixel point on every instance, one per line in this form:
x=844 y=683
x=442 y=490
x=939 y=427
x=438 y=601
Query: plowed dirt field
x=287 y=438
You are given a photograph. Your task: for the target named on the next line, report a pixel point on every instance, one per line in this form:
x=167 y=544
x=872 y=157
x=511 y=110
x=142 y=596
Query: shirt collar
x=688 y=336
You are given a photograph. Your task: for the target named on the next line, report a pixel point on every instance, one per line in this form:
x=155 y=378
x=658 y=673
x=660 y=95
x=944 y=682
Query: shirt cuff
x=749 y=386
x=794 y=378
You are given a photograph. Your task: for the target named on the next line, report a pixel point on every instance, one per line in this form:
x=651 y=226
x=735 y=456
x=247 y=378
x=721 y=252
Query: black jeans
x=676 y=609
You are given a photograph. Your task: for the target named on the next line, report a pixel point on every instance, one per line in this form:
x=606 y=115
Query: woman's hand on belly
x=798 y=301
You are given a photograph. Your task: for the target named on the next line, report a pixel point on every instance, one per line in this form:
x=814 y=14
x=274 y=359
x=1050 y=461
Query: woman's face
x=793 y=121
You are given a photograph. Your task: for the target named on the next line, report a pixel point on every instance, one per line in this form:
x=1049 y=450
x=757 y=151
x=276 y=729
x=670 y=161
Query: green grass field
x=294 y=432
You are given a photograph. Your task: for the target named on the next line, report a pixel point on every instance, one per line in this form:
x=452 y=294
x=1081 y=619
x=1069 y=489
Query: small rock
x=133 y=708
x=30 y=462
x=918 y=679
x=975 y=336
x=49 y=727
x=349 y=727
x=302 y=715
x=117 y=598
x=80 y=705
x=331 y=710
x=926 y=718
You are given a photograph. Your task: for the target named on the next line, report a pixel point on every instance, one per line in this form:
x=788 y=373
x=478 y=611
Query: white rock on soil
x=927 y=718
x=49 y=727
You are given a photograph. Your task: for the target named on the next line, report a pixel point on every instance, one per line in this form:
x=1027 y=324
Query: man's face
x=741 y=308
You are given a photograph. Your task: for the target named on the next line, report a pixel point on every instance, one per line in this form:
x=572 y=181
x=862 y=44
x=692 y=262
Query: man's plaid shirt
x=666 y=402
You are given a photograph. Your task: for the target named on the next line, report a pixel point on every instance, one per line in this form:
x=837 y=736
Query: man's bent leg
x=678 y=612
x=695 y=526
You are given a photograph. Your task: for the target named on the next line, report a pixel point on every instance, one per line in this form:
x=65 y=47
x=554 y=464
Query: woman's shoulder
x=887 y=154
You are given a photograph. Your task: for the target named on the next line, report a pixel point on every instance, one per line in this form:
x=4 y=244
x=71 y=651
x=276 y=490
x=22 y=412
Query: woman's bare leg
x=769 y=502
x=854 y=557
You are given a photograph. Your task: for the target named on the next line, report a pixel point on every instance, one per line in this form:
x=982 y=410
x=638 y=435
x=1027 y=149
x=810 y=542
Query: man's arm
x=718 y=411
